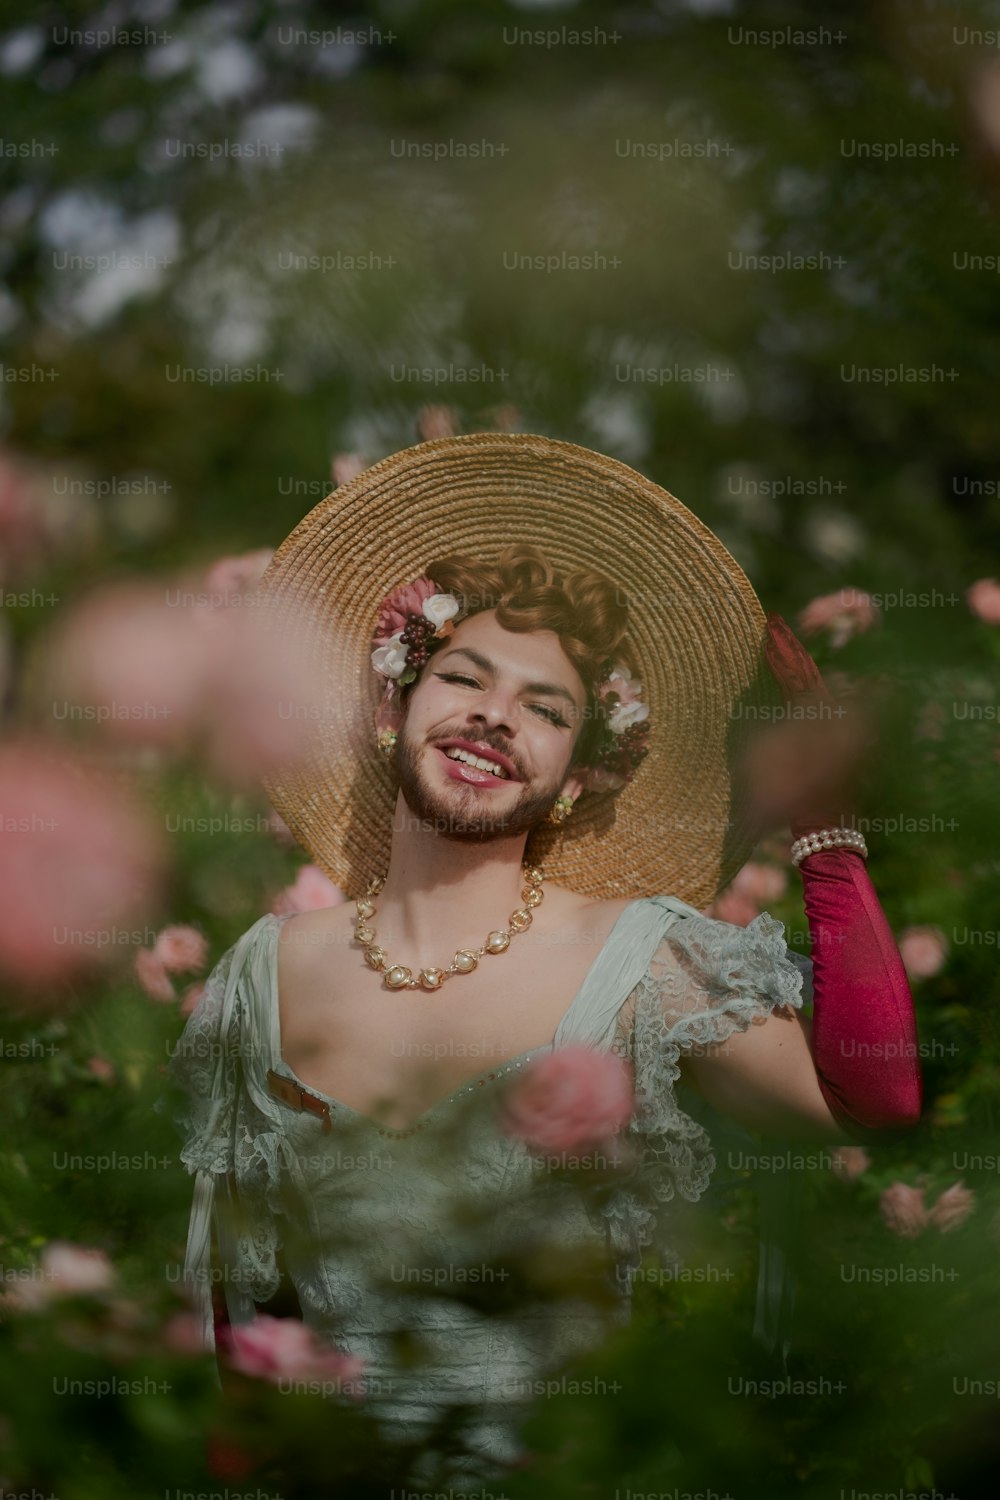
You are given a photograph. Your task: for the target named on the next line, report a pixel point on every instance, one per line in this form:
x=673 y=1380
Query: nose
x=497 y=709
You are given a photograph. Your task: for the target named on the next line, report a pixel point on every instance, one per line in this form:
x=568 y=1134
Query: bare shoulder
x=311 y=939
x=593 y=915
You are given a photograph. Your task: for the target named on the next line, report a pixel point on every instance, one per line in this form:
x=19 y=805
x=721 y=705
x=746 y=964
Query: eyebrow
x=550 y=689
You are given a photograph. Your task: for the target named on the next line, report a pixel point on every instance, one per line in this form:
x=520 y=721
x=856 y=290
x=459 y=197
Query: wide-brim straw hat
x=684 y=825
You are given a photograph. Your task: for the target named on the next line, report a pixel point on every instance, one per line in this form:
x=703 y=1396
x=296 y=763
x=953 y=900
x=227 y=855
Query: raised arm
x=855 y=1071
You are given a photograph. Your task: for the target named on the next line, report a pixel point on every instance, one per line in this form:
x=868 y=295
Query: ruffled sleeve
x=706 y=979
x=231 y=1134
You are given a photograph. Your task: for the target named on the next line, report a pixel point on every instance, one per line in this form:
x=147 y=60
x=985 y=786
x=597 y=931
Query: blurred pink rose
x=984 y=600
x=923 y=951
x=574 y=1096
x=153 y=666
x=310 y=891
x=101 y=1068
x=276 y=1349
x=77 y=862
x=437 y=422
x=192 y=995
x=849 y=1162
x=952 y=1208
x=903 y=1211
x=181 y=950
x=405 y=599
x=230 y=579
x=152 y=975
x=66 y=1270
x=133 y=663
x=346 y=466
x=842 y=615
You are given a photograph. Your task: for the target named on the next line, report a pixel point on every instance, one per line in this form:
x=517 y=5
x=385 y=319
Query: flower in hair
x=409 y=617
x=624 y=743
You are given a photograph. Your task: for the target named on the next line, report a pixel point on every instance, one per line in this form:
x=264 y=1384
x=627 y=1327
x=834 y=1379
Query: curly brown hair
x=585 y=609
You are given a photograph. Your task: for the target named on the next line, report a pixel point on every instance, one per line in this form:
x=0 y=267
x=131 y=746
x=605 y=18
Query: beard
x=467 y=816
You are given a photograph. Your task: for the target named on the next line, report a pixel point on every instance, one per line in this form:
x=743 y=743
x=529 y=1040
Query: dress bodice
x=385 y=1230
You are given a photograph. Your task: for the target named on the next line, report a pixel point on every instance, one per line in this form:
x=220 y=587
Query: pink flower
x=952 y=1208
x=923 y=951
x=152 y=975
x=346 y=466
x=76 y=861
x=842 y=615
x=137 y=661
x=311 y=891
x=284 y=1348
x=181 y=950
x=66 y=1270
x=574 y=1096
x=192 y=995
x=407 y=599
x=984 y=600
x=902 y=1209
x=437 y=422
x=100 y=1068
x=231 y=578
x=849 y=1162
x=153 y=669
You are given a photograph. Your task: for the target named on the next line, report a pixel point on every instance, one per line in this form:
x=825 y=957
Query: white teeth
x=453 y=752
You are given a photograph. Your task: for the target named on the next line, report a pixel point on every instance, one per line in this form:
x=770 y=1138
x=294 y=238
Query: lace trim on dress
x=706 y=980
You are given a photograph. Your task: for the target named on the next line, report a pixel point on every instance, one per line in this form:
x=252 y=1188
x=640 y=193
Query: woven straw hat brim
x=682 y=827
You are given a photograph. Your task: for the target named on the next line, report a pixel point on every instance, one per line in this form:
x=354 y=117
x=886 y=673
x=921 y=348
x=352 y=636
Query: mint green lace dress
x=357 y=1209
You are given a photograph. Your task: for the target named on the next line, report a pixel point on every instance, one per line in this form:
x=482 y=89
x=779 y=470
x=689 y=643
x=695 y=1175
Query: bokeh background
x=249 y=248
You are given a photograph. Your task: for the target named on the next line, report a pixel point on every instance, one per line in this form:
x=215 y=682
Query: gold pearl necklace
x=399 y=977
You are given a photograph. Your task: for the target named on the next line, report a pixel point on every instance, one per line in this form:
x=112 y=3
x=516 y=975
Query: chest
x=394 y=1055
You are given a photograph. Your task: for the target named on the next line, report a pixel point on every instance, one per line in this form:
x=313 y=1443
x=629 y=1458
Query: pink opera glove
x=864 y=1035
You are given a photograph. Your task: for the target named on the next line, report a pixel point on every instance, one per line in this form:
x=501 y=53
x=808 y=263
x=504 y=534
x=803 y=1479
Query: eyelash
x=551 y=715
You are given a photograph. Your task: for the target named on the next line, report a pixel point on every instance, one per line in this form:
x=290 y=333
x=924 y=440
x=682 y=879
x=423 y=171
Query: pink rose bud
x=903 y=1211
x=181 y=950
x=574 y=1096
x=952 y=1208
x=984 y=600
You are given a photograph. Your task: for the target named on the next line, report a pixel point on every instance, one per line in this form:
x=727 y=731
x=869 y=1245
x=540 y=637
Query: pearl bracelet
x=828 y=838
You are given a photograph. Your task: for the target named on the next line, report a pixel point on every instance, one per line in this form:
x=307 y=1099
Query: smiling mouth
x=478 y=766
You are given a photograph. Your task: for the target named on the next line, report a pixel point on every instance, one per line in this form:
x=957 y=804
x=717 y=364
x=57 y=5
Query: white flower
x=440 y=607
x=625 y=714
x=390 y=659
